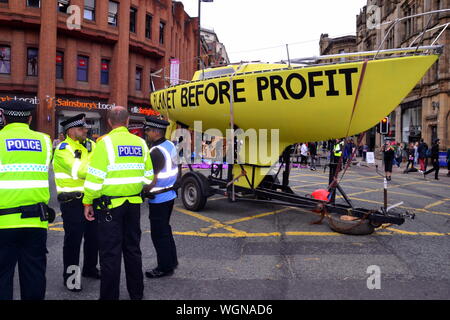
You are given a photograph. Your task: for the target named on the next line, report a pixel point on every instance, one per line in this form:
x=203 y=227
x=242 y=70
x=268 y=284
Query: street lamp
x=199 y=40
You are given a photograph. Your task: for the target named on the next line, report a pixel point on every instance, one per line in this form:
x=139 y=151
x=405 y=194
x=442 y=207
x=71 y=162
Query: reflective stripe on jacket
x=70 y=172
x=25 y=157
x=167 y=177
x=120 y=166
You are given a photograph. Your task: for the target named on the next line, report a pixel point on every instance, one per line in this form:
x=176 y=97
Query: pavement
x=247 y=251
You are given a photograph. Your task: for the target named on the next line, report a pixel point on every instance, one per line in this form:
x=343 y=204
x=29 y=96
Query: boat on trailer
x=314 y=99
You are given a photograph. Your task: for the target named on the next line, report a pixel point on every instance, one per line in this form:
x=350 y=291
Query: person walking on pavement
x=434 y=160
x=25 y=157
x=422 y=151
x=410 y=157
x=118 y=169
x=448 y=162
x=335 y=165
x=388 y=157
x=164 y=159
x=304 y=154
x=70 y=162
x=312 y=146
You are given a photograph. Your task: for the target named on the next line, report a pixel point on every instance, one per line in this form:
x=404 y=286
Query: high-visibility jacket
x=25 y=156
x=338 y=149
x=167 y=177
x=119 y=167
x=70 y=172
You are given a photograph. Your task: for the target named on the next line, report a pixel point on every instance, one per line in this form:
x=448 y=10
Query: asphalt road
x=244 y=251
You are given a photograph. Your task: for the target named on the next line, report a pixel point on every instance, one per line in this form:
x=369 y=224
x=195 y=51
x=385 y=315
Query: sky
x=254 y=30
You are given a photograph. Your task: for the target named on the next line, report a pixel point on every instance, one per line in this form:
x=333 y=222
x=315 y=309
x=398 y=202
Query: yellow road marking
x=434 y=204
x=216 y=223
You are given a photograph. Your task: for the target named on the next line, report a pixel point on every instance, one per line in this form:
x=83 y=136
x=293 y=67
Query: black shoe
x=95 y=274
x=155 y=273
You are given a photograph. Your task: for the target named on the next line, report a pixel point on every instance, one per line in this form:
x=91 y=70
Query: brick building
x=108 y=60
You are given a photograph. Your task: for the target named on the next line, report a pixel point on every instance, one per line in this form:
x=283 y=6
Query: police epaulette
x=62 y=146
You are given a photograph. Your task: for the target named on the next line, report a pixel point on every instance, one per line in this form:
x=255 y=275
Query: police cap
x=155 y=123
x=17 y=108
x=76 y=121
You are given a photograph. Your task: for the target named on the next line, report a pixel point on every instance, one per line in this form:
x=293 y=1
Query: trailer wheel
x=192 y=194
x=355 y=227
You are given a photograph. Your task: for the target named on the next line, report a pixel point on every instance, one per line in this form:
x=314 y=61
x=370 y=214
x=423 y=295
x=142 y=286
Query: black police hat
x=17 y=108
x=154 y=122
x=76 y=121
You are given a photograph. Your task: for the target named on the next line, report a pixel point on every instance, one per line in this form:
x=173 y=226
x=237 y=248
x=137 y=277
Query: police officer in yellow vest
x=164 y=159
x=70 y=164
x=25 y=156
x=119 y=168
x=335 y=164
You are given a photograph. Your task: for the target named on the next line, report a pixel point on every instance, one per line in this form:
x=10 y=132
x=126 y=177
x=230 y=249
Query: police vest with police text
x=25 y=157
x=119 y=167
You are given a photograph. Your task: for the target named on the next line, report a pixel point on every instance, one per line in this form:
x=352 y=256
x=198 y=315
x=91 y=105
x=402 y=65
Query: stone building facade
x=425 y=112
x=100 y=54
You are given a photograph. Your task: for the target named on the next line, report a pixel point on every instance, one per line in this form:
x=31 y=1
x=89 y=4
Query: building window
x=162 y=25
x=32 y=62
x=59 y=65
x=148 y=26
x=34 y=3
x=112 y=13
x=63 y=5
x=104 y=76
x=82 y=68
x=89 y=10
x=5 y=60
x=138 y=84
x=133 y=14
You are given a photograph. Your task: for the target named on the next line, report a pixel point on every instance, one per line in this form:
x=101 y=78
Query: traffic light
x=384 y=125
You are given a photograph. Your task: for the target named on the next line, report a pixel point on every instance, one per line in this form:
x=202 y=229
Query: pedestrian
x=164 y=159
x=335 y=165
x=434 y=160
x=422 y=151
x=410 y=157
x=416 y=153
x=57 y=141
x=119 y=167
x=304 y=155
x=388 y=157
x=24 y=192
x=448 y=162
x=398 y=154
x=70 y=163
x=312 y=146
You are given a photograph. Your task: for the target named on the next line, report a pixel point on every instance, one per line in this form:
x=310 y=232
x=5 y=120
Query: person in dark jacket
x=410 y=156
x=388 y=157
x=422 y=151
x=434 y=160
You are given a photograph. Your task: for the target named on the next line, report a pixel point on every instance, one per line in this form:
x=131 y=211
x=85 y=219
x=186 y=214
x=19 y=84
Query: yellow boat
x=304 y=102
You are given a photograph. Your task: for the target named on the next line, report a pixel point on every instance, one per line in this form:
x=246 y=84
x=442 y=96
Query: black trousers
x=121 y=235
x=28 y=248
x=77 y=227
x=435 y=169
x=162 y=237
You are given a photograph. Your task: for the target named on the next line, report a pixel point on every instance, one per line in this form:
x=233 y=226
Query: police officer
x=335 y=165
x=70 y=163
x=118 y=169
x=25 y=156
x=163 y=154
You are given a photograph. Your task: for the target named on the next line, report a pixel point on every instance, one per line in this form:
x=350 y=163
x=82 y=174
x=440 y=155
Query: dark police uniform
x=70 y=164
x=163 y=154
x=25 y=156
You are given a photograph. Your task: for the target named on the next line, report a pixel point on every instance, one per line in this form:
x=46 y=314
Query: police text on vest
x=23 y=145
